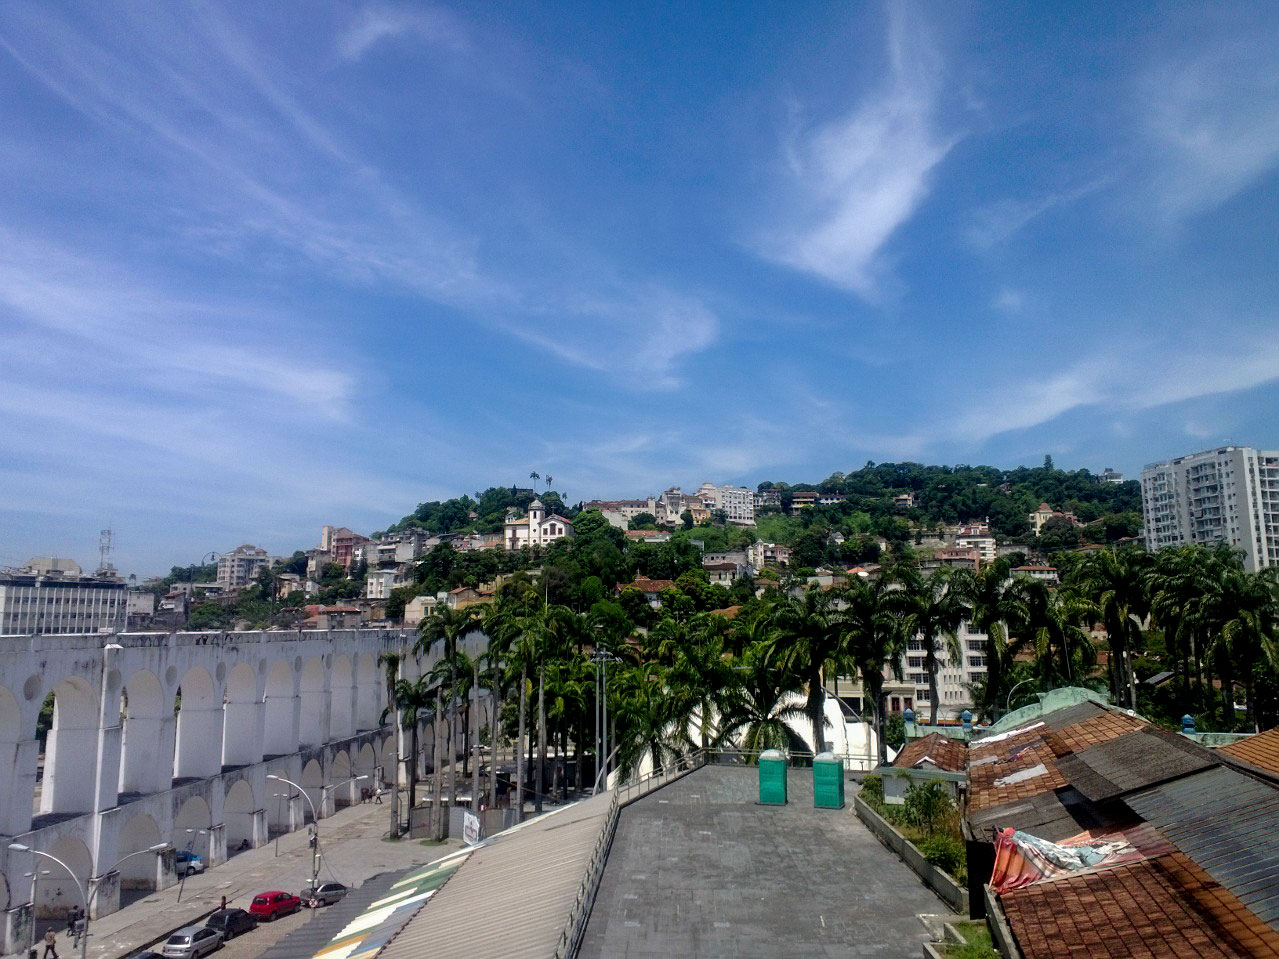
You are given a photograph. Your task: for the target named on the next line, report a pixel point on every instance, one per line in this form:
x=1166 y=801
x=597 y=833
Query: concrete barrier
x=936 y=879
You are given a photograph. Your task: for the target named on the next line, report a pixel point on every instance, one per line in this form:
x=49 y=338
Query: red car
x=270 y=905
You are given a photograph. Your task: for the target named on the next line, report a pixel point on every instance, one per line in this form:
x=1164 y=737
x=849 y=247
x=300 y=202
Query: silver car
x=325 y=894
x=191 y=942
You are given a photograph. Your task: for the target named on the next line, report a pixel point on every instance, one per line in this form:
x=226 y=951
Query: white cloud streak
x=856 y=180
x=1210 y=122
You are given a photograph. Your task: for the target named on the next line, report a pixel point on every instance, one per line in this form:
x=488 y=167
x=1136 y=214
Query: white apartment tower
x=1228 y=494
x=737 y=502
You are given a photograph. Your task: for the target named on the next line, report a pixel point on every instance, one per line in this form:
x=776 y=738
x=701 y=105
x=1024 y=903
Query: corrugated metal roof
x=514 y=895
x=1228 y=823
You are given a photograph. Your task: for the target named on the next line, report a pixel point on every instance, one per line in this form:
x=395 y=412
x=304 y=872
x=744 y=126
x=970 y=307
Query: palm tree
x=931 y=610
x=410 y=699
x=872 y=636
x=996 y=603
x=700 y=676
x=1056 y=627
x=450 y=626
x=502 y=626
x=549 y=480
x=640 y=707
x=759 y=709
x=1116 y=583
x=390 y=662
x=567 y=682
x=535 y=476
x=807 y=634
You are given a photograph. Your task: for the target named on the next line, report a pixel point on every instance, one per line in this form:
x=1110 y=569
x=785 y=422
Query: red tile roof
x=1261 y=750
x=646 y=585
x=1165 y=906
x=942 y=751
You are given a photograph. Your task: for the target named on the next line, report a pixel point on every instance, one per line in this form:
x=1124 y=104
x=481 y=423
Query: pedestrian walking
x=223 y=906
x=50 y=945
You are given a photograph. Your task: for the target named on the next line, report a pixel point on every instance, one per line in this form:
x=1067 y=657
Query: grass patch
x=432 y=842
x=977 y=945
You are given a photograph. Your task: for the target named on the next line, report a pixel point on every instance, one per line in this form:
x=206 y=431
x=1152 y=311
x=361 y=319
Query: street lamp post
x=1008 y=701
x=315 y=847
x=601 y=659
x=191 y=834
x=85 y=898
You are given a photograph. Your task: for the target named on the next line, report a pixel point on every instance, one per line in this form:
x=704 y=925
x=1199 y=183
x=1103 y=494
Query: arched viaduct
x=169 y=738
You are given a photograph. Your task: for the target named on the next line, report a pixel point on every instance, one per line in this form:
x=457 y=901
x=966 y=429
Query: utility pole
x=475 y=737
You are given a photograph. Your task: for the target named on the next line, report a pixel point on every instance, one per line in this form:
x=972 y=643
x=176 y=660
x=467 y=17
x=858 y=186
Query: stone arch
x=280 y=807
x=239 y=813
x=10 y=717
x=342 y=712
x=57 y=892
x=313 y=692
x=344 y=790
x=242 y=718
x=366 y=762
x=369 y=686
x=146 y=751
x=387 y=760
x=192 y=827
x=19 y=768
x=280 y=729
x=199 y=752
x=312 y=781
x=70 y=749
x=139 y=872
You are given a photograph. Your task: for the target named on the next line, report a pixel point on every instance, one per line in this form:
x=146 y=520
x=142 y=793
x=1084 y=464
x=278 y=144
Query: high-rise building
x=1229 y=494
x=241 y=566
x=49 y=596
x=737 y=502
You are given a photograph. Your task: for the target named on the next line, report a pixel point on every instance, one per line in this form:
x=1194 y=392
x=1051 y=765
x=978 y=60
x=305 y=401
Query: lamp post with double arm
x=86 y=899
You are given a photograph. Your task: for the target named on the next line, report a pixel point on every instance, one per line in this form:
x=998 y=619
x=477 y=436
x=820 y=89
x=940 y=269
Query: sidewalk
x=352 y=849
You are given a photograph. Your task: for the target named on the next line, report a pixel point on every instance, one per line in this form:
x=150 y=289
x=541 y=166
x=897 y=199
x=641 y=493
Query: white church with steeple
x=535 y=528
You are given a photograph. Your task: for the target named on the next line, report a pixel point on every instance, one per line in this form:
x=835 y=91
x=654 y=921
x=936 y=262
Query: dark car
x=146 y=955
x=271 y=905
x=231 y=922
x=325 y=894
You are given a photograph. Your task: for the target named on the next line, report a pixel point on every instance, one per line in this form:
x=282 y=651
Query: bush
x=928 y=806
x=872 y=792
x=945 y=852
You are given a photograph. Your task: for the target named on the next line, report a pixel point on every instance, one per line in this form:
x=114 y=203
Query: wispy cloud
x=855 y=180
x=376 y=22
x=252 y=162
x=1210 y=122
x=1131 y=377
x=994 y=223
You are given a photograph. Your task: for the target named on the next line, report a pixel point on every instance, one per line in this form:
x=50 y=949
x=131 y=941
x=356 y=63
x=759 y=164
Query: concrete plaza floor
x=697 y=868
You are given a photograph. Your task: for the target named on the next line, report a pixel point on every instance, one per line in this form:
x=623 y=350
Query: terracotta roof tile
x=1261 y=750
x=1166 y=906
x=942 y=751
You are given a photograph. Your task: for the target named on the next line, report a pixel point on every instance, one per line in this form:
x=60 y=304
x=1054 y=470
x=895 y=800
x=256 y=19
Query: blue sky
x=269 y=266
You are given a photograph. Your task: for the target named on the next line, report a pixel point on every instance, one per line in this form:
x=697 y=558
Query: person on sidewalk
x=50 y=944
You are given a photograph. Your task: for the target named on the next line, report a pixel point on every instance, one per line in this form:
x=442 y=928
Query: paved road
x=353 y=849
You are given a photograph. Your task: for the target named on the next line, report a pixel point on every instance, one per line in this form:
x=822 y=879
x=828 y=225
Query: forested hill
x=958 y=494
x=943 y=495
x=482 y=513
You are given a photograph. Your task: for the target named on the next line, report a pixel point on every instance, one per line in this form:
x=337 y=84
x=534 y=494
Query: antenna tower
x=104 y=552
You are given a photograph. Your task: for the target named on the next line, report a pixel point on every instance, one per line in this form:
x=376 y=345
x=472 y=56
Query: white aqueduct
x=169 y=737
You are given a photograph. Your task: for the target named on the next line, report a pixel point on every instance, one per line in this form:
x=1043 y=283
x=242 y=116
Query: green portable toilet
x=772 y=778
x=828 y=781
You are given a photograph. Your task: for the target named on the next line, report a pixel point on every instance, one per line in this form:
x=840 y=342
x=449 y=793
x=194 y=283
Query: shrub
x=928 y=805
x=872 y=792
x=945 y=852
